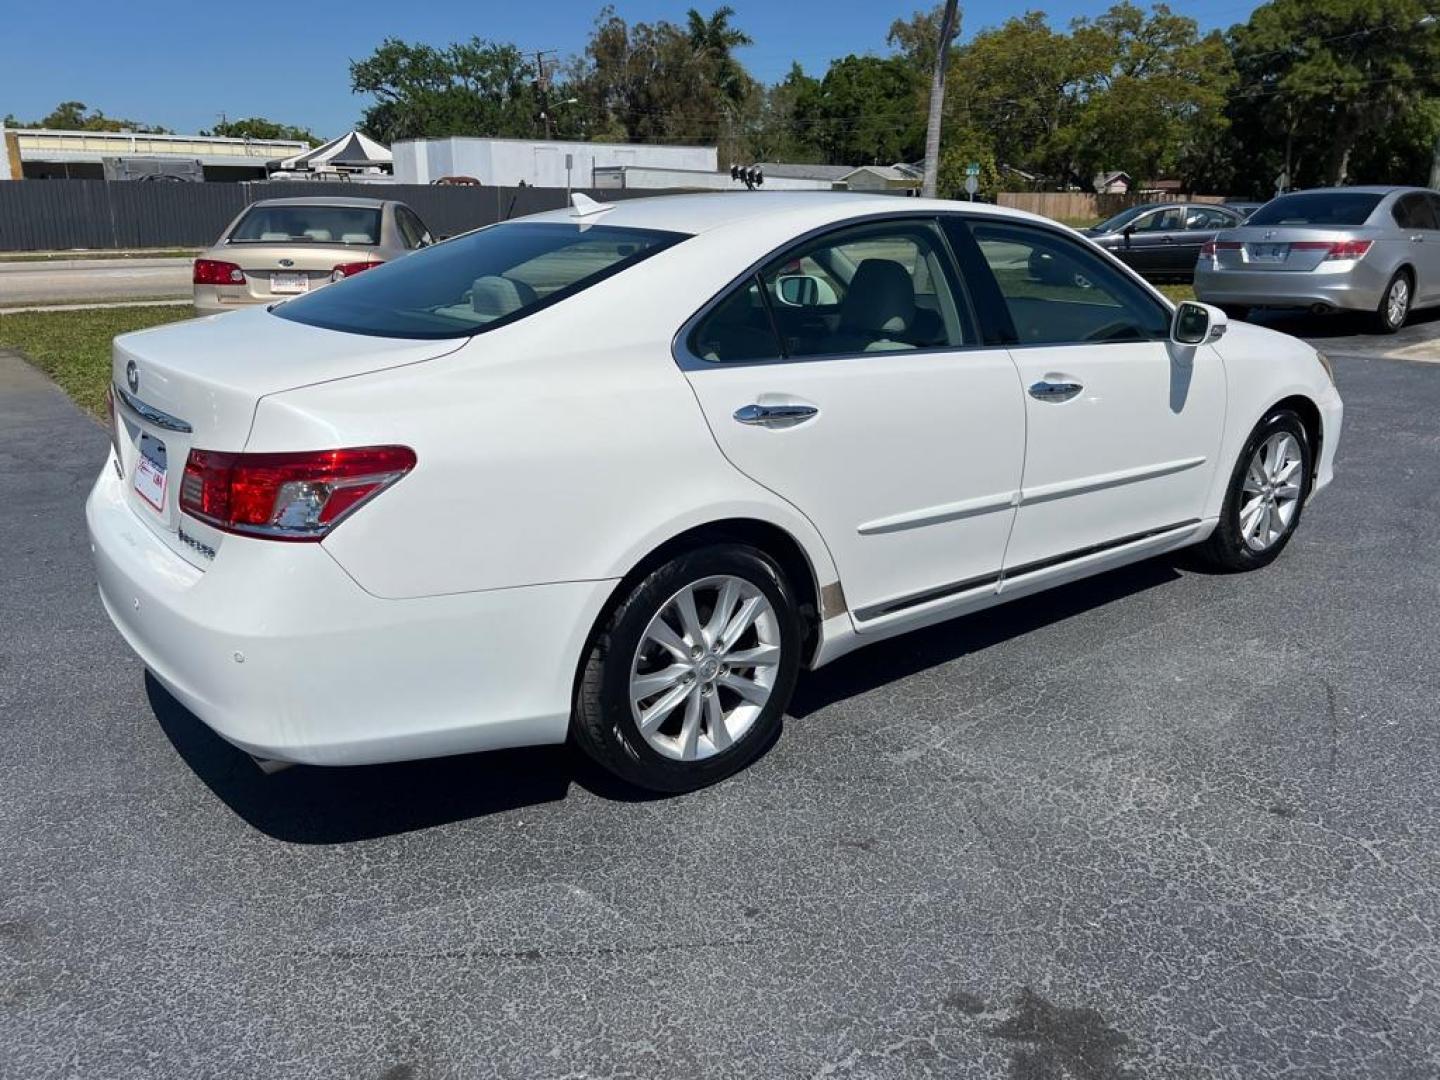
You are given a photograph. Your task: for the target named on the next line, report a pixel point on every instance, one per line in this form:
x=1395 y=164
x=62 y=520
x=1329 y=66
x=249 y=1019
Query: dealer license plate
x=150 y=472
x=289 y=283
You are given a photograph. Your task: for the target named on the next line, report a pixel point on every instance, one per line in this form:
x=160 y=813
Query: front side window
x=356 y=225
x=477 y=282
x=1161 y=221
x=1058 y=292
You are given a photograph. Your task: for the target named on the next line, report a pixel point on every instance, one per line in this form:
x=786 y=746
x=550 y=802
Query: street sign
x=973 y=169
x=972 y=184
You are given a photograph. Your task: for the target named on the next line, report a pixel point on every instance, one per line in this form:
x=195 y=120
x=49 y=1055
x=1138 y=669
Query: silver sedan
x=1371 y=249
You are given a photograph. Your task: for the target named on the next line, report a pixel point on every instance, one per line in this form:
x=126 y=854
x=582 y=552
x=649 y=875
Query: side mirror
x=1195 y=324
x=804 y=290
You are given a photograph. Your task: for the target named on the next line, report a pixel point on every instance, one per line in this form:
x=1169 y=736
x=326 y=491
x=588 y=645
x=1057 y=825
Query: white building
x=538 y=163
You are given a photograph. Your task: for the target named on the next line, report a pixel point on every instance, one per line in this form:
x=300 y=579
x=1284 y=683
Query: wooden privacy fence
x=1086 y=205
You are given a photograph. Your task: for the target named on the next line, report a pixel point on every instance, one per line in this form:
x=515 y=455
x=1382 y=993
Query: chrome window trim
x=151 y=414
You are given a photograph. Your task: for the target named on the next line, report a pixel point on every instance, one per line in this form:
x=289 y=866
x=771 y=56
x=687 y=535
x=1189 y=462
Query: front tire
x=1267 y=492
x=1394 y=304
x=688 y=681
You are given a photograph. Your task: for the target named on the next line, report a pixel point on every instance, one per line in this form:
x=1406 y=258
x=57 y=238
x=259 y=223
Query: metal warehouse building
x=536 y=163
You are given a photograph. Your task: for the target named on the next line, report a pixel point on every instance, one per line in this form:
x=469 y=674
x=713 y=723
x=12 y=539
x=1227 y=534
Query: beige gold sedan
x=279 y=248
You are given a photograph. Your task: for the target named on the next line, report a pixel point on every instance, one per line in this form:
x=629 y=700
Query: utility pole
x=937 y=99
x=542 y=88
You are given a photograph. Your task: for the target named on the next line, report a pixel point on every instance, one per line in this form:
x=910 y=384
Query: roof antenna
x=585 y=206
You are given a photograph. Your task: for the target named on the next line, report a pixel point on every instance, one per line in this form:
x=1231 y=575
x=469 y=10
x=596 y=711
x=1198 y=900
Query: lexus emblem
x=132 y=377
x=287 y=262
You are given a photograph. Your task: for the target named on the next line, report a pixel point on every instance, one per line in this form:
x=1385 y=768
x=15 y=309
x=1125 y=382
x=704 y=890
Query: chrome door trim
x=780 y=415
x=1054 y=391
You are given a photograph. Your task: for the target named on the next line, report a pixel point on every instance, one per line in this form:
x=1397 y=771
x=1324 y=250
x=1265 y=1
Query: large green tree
x=866 y=110
x=1326 y=84
x=476 y=87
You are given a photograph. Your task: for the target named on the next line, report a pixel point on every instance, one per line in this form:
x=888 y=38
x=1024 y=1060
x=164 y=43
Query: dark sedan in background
x=1164 y=239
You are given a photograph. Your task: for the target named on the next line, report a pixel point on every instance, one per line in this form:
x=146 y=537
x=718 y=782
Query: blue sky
x=182 y=64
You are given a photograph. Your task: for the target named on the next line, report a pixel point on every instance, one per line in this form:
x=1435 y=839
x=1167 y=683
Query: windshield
x=1317 y=208
x=477 y=282
x=308 y=225
x=1123 y=218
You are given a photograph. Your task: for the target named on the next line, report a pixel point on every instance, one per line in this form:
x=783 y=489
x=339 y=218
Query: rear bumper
x=1358 y=288
x=213 y=299
x=279 y=651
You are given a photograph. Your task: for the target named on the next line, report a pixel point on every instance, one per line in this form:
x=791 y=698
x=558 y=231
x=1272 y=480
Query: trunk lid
x=282 y=270
x=1282 y=248
x=197 y=384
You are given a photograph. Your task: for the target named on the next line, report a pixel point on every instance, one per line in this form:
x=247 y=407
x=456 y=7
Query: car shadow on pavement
x=338 y=805
x=909 y=654
x=1339 y=324
x=312 y=805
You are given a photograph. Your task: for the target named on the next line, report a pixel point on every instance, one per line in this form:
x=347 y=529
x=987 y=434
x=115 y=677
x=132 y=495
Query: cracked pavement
x=1161 y=824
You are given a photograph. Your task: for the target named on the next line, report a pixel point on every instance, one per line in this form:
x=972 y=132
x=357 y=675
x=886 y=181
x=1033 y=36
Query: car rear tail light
x=298 y=496
x=345 y=270
x=215 y=272
x=1334 y=249
x=1210 y=247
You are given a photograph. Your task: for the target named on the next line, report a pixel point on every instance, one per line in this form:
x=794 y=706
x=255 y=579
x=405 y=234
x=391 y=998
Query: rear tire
x=1266 y=495
x=673 y=697
x=1395 y=303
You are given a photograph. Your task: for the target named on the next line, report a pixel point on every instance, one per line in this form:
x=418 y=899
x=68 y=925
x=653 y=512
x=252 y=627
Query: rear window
x=308 y=225
x=1317 y=208
x=477 y=282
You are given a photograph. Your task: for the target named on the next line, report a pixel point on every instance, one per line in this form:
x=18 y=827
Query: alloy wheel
x=1397 y=301
x=705 y=667
x=1270 y=495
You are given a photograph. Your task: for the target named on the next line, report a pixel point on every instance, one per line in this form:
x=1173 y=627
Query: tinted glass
x=1058 y=292
x=1317 y=208
x=1207 y=218
x=1413 y=212
x=473 y=283
x=874 y=288
x=409 y=226
x=1121 y=219
x=737 y=329
x=1161 y=221
x=308 y=224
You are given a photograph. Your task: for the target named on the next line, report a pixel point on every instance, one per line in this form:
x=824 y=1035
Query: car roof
x=325 y=200
x=1360 y=189
x=695 y=214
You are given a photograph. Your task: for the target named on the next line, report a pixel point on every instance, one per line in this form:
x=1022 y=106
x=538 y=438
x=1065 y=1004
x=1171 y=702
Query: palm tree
x=713 y=40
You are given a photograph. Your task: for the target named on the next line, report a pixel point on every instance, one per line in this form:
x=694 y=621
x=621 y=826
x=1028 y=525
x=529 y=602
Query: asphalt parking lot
x=1161 y=824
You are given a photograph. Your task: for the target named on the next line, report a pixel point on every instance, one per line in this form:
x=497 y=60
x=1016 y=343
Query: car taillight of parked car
x=215 y=272
x=1334 y=249
x=299 y=496
x=1210 y=247
x=345 y=270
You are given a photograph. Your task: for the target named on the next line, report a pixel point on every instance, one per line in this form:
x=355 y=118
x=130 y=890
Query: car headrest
x=356 y=238
x=881 y=298
x=494 y=297
x=320 y=235
x=274 y=236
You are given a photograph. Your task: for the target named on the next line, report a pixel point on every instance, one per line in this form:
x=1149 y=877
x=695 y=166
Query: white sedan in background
x=617 y=473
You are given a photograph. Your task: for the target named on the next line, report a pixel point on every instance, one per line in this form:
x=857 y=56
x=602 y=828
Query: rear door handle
x=1054 y=391
x=786 y=414
x=1417 y=239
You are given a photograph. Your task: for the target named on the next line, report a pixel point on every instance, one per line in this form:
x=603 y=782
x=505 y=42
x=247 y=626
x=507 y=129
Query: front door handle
x=1417 y=239
x=1054 y=391
x=786 y=414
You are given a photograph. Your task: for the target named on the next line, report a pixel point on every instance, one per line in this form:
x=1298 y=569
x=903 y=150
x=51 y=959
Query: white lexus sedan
x=616 y=473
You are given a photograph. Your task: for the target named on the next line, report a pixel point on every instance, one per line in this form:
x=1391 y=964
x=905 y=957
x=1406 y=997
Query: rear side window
x=1414 y=212
x=1317 y=208
x=477 y=282
x=356 y=225
x=411 y=230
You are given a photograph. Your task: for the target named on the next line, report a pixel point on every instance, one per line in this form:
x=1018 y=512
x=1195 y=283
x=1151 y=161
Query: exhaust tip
x=269 y=766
